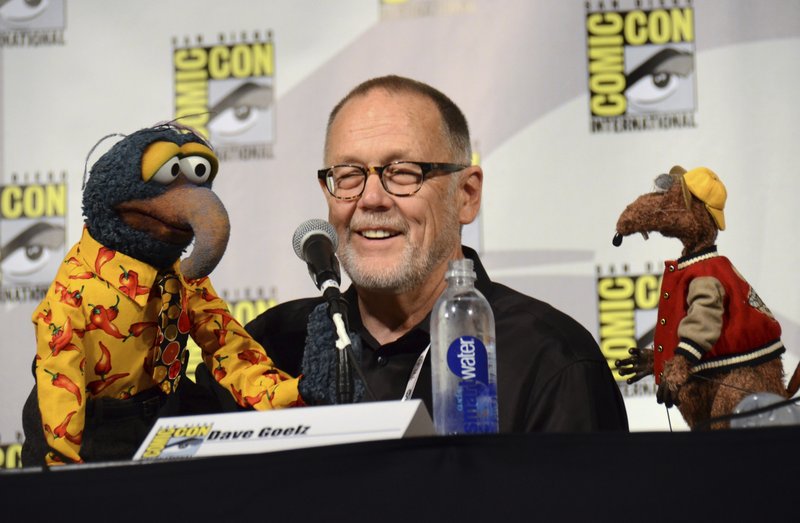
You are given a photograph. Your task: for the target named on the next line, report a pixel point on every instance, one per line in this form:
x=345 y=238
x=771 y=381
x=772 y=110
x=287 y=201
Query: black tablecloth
x=735 y=475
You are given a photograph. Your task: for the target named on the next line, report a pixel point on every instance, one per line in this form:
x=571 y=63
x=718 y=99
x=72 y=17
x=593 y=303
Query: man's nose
x=374 y=194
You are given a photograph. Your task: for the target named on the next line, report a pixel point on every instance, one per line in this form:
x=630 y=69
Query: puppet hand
x=640 y=364
x=676 y=373
x=318 y=384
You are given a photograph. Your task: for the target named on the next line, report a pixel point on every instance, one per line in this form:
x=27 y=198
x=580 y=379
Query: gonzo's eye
x=196 y=168
x=167 y=173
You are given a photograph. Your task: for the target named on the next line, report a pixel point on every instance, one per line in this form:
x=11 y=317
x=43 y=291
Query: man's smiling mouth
x=377 y=234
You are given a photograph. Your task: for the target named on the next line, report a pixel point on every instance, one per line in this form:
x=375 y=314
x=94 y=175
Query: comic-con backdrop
x=574 y=106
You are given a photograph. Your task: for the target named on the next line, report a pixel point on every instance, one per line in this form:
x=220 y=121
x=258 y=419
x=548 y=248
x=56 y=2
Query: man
x=397 y=231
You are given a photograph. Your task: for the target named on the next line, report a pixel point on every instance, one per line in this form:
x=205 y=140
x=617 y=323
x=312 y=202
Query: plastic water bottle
x=463 y=359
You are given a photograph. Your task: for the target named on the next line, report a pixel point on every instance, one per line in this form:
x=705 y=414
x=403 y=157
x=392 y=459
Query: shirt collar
x=696 y=257
x=130 y=276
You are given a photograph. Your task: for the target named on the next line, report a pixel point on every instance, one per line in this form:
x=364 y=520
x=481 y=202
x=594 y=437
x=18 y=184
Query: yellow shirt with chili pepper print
x=97 y=330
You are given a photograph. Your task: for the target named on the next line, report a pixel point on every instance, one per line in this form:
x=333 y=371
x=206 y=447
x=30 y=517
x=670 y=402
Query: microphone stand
x=337 y=310
x=345 y=361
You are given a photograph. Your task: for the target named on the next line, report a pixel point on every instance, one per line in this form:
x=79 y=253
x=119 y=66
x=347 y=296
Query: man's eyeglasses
x=401 y=178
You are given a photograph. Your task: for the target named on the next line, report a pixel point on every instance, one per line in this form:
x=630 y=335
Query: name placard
x=284 y=429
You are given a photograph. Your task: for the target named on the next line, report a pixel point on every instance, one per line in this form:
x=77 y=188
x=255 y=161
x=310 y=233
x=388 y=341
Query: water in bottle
x=463 y=360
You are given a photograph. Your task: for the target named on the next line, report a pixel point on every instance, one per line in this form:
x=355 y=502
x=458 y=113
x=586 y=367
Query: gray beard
x=410 y=271
x=405 y=274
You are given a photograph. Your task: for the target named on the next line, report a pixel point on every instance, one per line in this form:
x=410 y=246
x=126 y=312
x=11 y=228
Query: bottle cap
x=461 y=268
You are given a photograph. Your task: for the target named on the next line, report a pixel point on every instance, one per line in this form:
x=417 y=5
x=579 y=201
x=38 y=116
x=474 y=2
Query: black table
x=735 y=475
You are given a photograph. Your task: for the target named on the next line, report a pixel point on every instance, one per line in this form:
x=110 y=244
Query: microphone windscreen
x=310 y=228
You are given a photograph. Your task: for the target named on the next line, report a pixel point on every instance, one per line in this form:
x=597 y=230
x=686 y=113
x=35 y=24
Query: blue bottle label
x=467 y=359
x=475 y=403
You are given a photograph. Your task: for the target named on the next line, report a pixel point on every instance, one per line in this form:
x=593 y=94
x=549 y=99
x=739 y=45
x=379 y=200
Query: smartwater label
x=466 y=358
x=475 y=397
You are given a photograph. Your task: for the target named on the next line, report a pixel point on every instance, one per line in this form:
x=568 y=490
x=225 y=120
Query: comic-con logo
x=227 y=92
x=177 y=442
x=32 y=237
x=627 y=313
x=641 y=67
x=10 y=456
x=31 y=22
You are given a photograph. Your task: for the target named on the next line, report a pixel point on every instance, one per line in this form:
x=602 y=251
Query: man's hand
x=640 y=364
x=676 y=373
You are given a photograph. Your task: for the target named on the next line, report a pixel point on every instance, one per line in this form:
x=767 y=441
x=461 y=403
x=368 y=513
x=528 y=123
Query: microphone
x=315 y=243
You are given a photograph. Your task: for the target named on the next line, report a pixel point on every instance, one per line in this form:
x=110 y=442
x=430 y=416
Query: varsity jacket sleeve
x=700 y=329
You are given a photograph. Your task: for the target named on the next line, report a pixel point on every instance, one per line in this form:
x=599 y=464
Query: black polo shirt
x=551 y=375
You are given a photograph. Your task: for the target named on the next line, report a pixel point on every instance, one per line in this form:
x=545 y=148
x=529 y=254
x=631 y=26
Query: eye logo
x=22 y=12
x=661 y=82
x=31 y=22
x=28 y=256
x=32 y=237
x=641 y=68
x=239 y=111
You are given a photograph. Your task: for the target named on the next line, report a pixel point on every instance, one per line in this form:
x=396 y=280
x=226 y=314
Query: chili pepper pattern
x=219 y=371
x=86 y=275
x=103 y=318
x=97 y=386
x=221 y=334
x=129 y=283
x=127 y=393
x=104 y=255
x=103 y=339
x=237 y=395
x=46 y=316
x=61 y=338
x=61 y=430
x=136 y=329
x=205 y=295
x=254 y=400
x=103 y=365
x=272 y=375
x=63 y=381
x=71 y=298
x=252 y=356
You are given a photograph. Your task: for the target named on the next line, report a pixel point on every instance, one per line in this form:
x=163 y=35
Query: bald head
x=453 y=124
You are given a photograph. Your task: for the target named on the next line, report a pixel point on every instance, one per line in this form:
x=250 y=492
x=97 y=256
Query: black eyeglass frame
x=426 y=167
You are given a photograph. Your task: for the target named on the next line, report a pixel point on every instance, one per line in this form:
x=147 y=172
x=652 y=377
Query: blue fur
x=318 y=385
x=116 y=178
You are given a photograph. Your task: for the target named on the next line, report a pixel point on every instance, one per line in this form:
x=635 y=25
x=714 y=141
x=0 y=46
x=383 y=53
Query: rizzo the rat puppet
x=112 y=328
x=715 y=341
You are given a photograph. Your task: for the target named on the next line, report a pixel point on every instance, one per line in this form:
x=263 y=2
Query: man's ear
x=470 y=190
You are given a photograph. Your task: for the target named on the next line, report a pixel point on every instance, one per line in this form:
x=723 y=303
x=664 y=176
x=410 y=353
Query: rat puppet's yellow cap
x=706 y=186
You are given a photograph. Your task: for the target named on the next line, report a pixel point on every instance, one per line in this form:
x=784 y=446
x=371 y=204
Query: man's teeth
x=375 y=235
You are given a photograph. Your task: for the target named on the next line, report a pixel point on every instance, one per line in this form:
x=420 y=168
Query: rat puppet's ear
x=679 y=171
